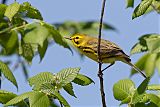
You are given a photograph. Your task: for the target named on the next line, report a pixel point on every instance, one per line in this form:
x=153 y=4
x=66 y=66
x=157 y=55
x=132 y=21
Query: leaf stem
x=100 y=72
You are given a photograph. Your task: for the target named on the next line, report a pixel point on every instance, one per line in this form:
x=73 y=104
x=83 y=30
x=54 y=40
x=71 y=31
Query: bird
x=109 y=51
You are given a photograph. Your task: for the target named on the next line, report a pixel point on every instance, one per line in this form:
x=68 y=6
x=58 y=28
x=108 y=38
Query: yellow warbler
x=109 y=51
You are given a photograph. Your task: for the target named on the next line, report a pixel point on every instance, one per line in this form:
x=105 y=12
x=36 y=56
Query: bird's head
x=76 y=38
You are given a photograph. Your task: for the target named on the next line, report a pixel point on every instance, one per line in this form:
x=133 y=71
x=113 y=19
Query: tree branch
x=100 y=72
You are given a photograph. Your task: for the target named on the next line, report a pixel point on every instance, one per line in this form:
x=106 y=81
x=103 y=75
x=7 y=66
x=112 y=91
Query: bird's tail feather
x=136 y=68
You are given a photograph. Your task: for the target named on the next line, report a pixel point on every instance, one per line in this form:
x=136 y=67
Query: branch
x=100 y=72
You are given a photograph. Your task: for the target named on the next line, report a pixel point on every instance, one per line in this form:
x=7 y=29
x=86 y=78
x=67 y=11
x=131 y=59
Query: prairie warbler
x=109 y=51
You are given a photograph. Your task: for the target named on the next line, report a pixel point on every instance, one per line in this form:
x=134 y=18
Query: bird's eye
x=77 y=37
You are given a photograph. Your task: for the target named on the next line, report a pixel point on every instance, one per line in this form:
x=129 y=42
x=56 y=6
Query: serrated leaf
x=143 y=86
x=154 y=87
x=150 y=65
x=5 y=96
x=42 y=50
x=83 y=80
x=130 y=3
x=18 y=99
x=141 y=8
x=140 y=64
x=38 y=99
x=35 y=34
x=2 y=10
x=123 y=89
x=12 y=10
x=69 y=89
x=67 y=75
x=7 y=73
x=41 y=78
x=30 y=11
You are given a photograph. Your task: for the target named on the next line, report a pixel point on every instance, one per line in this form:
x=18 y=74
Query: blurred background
x=126 y=35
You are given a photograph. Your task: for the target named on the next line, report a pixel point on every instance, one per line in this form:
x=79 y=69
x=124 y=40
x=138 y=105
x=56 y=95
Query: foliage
x=23 y=33
x=125 y=91
x=47 y=86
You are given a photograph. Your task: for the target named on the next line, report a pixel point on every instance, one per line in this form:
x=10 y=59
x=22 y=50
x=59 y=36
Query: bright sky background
x=58 y=58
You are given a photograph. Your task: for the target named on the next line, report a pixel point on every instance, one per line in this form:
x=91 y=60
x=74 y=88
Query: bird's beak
x=68 y=38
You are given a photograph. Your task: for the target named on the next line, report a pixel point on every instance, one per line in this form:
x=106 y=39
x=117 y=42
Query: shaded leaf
x=158 y=63
x=42 y=50
x=67 y=75
x=123 y=89
x=5 y=96
x=83 y=80
x=130 y=3
x=7 y=73
x=138 y=98
x=27 y=51
x=137 y=48
x=143 y=86
x=126 y=100
x=141 y=8
x=2 y=10
x=12 y=10
x=69 y=89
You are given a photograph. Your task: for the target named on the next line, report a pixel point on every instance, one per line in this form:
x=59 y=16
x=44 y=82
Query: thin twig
x=100 y=73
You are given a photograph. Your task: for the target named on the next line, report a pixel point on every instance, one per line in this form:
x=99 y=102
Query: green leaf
x=56 y=35
x=35 y=34
x=7 y=73
x=67 y=75
x=30 y=11
x=2 y=10
x=61 y=99
x=130 y=3
x=42 y=50
x=12 y=10
x=156 y=6
x=5 y=96
x=154 y=87
x=19 y=99
x=27 y=51
x=137 y=48
x=140 y=64
x=150 y=65
x=123 y=89
x=158 y=63
x=9 y=41
x=69 y=89
x=141 y=8
x=41 y=78
x=154 y=98
x=49 y=89
x=38 y=99
x=126 y=100
x=143 y=86
x=83 y=80
x=138 y=98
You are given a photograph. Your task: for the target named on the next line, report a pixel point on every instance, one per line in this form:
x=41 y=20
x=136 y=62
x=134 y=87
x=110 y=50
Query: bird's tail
x=136 y=68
